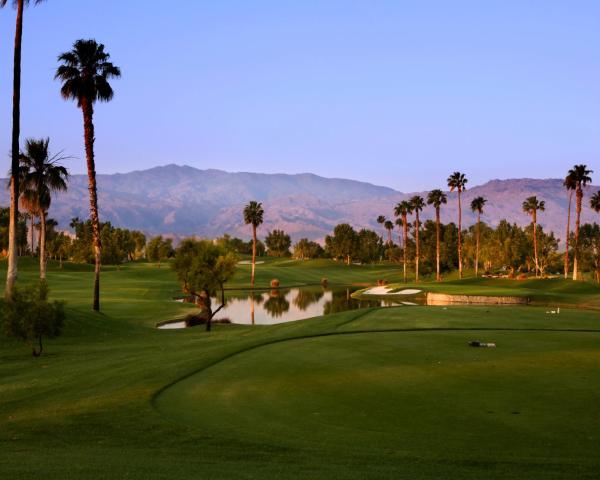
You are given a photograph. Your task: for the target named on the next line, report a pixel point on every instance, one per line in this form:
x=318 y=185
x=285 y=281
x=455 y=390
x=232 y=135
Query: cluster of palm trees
x=253 y=215
x=576 y=180
x=85 y=72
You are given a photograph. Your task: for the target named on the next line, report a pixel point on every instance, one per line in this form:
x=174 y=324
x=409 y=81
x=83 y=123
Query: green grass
x=378 y=393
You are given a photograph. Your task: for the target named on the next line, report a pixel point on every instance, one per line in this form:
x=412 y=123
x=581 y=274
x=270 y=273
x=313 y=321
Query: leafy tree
x=253 y=215
x=437 y=198
x=306 y=249
x=403 y=210
x=579 y=175
x=368 y=246
x=59 y=247
x=278 y=243
x=342 y=244
x=590 y=248
x=203 y=268
x=41 y=175
x=4 y=232
x=458 y=181
x=85 y=72
x=417 y=203
x=29 y=316
x=159 y=249
x=11 y=274
x=531 y=206
x=477 y=205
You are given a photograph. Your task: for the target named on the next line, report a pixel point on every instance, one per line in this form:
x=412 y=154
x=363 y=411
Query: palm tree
x=531 y=206
x=398 y=222
x=477 y=205
x=570 y=185
x=417 y=203
x=41 y=175
x=85 y=72
x=457 y=181
x=437 y=198
x=580 y=176
x=403 y=210
x=389 y=226
x=381 y=221
x=253 y=215
x=595 y=202
x=11 y=273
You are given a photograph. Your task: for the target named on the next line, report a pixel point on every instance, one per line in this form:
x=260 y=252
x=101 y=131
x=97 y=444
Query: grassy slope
x=397 y=404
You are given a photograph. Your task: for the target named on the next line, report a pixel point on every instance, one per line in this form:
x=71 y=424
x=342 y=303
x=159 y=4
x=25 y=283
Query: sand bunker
x=387 y=291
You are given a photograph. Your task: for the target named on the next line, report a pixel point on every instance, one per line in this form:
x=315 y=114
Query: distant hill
x=182 y=200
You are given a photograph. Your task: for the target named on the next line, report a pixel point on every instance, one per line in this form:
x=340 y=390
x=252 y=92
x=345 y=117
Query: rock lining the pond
x=446 y=299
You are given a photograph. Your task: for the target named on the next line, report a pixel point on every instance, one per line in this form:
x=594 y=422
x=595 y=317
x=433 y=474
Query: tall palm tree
x=437 y=198
x=417 y=203
x=381 y=221
x=389 y=226
x=41 y=175
x=403 y=210
x=570 y=185
x=457 y=181
x=253 y=215
x=477 y=205
x=85 y=72
x=595 y=202
x=580 y=175
x=531 y=206
x=398 y=222
x=11 y=274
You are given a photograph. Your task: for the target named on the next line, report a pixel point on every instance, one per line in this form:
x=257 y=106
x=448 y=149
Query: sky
x=396 y=93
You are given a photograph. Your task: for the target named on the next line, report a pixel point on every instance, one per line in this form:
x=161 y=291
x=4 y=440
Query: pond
x=288 y=305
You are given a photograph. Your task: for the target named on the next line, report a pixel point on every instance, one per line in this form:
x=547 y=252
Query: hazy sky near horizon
x=397 y=93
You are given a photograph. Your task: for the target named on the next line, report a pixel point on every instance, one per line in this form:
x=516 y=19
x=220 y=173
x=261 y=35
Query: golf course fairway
x=376 y=393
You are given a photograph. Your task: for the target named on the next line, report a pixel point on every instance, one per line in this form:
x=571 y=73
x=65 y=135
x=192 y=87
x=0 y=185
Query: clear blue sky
x=399 y=93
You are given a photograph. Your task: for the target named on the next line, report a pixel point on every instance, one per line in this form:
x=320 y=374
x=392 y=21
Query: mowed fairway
x=378 y=393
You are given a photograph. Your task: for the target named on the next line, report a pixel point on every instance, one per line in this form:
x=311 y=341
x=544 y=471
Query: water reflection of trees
x=342 y=301
x=277 y=304
x=306 y=297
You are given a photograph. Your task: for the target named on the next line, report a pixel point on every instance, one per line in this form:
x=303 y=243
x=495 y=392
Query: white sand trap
x=384 y=290
x=172 y=325
x=249 y=262
x=409 y=303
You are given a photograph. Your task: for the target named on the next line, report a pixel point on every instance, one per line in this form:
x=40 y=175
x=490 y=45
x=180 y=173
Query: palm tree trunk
x=405 y=241
x=477 y=246
x=579 y=198
x=567 y=236
x=42 y=245
x=437 y=244
x=459 y=237
x=88 y=126
x=417 y=253
x=535 y=251
x=389 y=237
x=32 y=239
x=11 y=274
x=253 y=253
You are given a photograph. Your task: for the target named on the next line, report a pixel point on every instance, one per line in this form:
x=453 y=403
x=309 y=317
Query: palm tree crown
x=253 y=214
x=381 y=219
x=595 y=202
x=405 y=207
x=85 y=71
x=437 y=198
x=477 y=204
x=579 y=176
x=15 y=3
x=532 y=204
x=418 y=203
x=457 y=181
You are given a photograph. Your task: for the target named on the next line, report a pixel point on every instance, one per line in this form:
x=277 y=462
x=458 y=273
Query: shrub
x=29 y=316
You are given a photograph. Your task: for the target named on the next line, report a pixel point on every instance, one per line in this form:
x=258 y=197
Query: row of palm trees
x=85 y=72
x=577 y=178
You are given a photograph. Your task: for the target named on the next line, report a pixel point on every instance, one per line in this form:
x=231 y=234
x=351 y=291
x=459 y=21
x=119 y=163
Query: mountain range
x=181 y=200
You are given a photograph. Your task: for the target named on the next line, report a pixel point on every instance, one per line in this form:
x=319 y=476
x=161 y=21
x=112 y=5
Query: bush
x=29 y=316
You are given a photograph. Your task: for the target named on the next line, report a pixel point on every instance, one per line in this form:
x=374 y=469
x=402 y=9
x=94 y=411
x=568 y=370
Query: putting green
x=418 y=394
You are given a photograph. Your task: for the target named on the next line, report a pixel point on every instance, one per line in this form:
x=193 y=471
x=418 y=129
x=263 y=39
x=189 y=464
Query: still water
x=288 y=305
